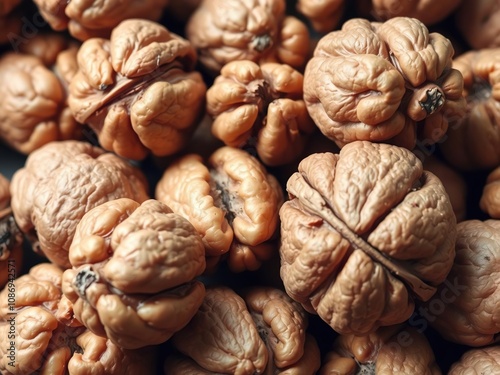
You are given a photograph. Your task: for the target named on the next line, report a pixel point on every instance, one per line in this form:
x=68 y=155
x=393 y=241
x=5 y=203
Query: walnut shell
x=383 y=82
x=473 y=141
x=465 y=307
x=134 y=269
x=59 y=183
x=490 y=197
x=478 y=361
x=258 y=331
x=363 y=233
x=260 y=107
x=137 y=90
x=231 y=200
x=257 y=30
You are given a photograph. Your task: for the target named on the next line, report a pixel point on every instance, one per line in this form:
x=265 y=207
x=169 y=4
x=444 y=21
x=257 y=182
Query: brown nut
x=477 y=22
x=390 y=350
x=469 y=298
x=87 y=19
x=134 y=269
x=383 y=82
x=364 y=232
x=258 y=331
x=137 y=90
x=473 y=141
x=478 y=361
x=324 y=16
x=257 y=30
x=260 y=107
x=231 y=200
x=59 y=183
x=490 y=198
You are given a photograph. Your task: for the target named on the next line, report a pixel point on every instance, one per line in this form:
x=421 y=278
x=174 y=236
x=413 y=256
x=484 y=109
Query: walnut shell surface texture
x=490 y=197
x=260 y=107
x=59 y=183
x=137 y=90
x=364 y=233
x=134 y=269
x=260 y=331
x=231 y=200
x=478 y=361
x=386 y=82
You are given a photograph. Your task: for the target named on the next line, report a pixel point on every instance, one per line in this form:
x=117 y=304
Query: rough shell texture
x=478 y=23
x=363 y=232
x=85 y=19
x=473 y=142
x=258 y=331
x=59 y=183
x=478 y=361
x=465 y=309
x=324 y=16
x=490 y=198
x=33 y=106
x=260 y=107
x=390 y=82
x=138 y=90
x=258 y=30
x=390 y=350
x=231 y=200
x=134 y=270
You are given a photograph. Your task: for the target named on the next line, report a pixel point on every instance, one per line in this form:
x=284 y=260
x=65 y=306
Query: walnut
x=260 y=107
x=490 y=197
x=231 y=200
x=324 y=16
x=257 y=30
x=478 y=361
x=259 y=331
x=386 y=82
x=137 y=90
x=477 y=22
x=364 y=233
x=134 y=269
x=59 y=183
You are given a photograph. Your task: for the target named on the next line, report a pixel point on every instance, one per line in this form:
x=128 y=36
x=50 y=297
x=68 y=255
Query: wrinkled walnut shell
x=365 y=227
x=134 y=270
x=230 y=199
x=478 y=361
x=490 y=198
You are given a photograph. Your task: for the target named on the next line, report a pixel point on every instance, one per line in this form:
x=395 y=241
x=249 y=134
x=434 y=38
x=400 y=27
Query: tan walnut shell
x=468 y=311
x=258 y=331
x=386 y=82
x=48 y=338
x=59 y=183
x=134 y=272
x=473 y=142
x=231 y=200
x=364 y=233
x=490 y=197
x=137 y=90
x=397 y=349
x=478 y=361
x=258 y=30
x=260 y=107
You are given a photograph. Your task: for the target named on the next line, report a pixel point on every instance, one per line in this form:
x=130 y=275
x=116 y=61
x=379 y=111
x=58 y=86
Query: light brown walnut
x=478 y=361
x=324 y=16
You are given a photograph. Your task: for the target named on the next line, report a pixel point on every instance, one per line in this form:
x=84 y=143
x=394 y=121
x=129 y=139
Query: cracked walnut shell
x=134 y=272
x=231 y=200
x=260 y=107
x=364 y=233
x=137 y=90
x=260 y=331
x=386 y=82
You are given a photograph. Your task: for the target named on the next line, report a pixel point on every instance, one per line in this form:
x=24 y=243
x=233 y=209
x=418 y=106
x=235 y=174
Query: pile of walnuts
x=249 y=187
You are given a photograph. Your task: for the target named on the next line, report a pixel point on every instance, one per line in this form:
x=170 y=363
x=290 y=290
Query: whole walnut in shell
x=490 y=197
x=478 y=361
x=364 y=233
x=473 y=142
x=87 y=19
x=59 y=183
x=477 y=22
x=137 y=90
x=468 y=308
x=260 y=107
x=386 y=82
x=33 y=105
x=257 y=30
x=134 y=269
x=390 y=350
x=259 y=331
x=231 y=200
x=47 y=339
